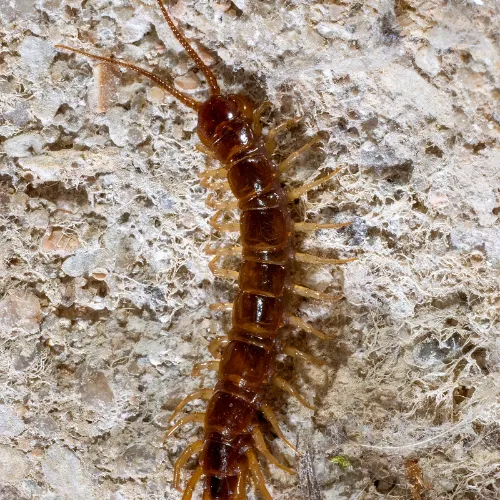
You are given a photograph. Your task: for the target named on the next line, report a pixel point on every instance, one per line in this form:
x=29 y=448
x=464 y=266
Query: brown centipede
x=230 y=130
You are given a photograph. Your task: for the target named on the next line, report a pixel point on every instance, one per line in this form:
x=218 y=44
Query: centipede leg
x=206 y=151
x=183 y=458
x=257 y=115
x=271 y=418
x=293 y=194
x=241 y=485
x=271 y=137
x=223 y=251
x=192 y=417
x=313 y=226
x=260 y=482
x=295 y=353
x=288 y=162
x=215 y=184
x=193 y=481
x=204 y=394
x=206 y=365
x=216 y=173
x=260 y=444
x=216 y=345
x=221 y=272
x=229 y=227
x=312 y=259
x=299 y=323
x=220 y=205
x=284 y=385
x=221 y=307
x=303 y=291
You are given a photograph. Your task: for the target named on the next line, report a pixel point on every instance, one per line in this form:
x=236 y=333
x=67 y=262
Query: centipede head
x=213 y=113
x=216 y=112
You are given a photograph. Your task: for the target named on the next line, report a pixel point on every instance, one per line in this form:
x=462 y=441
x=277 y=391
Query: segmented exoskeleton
x=229 y=130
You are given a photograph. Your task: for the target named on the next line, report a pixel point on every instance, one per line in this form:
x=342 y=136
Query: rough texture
x=105 y=289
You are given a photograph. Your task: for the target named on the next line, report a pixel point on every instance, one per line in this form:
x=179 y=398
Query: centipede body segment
x=229 y=130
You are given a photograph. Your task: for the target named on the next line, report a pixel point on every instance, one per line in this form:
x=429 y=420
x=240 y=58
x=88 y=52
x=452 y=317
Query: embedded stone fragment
x=95 y=390
x=57 y=241
x=20 y=311
x=23 y=145
x=13 y=464
x=36 y=56
x=84 y=261
x=10 y=424
x=64 y=473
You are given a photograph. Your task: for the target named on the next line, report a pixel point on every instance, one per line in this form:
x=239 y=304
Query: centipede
x=230 y=131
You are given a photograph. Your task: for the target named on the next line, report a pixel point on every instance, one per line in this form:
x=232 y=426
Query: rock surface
x=104 y=285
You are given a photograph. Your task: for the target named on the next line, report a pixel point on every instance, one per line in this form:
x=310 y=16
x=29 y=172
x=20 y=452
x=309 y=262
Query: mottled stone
x=24 y=145
x=13 y=465
x=19 y=312
x=64 y=472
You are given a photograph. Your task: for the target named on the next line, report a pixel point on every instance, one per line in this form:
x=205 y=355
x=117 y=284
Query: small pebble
x=99 y=273
x=189 y=81
x=157 y=95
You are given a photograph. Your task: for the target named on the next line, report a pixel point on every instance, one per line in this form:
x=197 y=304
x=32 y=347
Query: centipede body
x=229 y=130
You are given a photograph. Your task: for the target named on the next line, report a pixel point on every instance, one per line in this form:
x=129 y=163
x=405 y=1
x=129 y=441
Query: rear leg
x=231 y=227
x=222 y=272
x=257 y=125
x=293 y=194
x=241 y=486
x=221 y=307
x=220 y=205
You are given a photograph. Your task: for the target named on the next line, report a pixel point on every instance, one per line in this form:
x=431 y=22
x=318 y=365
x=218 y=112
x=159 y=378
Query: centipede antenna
x=184 y=98
x=211 y=80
